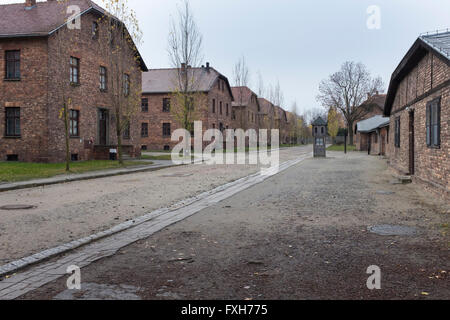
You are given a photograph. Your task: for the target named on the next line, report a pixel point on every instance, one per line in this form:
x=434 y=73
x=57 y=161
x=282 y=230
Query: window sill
x=104 y=90
x=73 y=84
x=12 y=79
x=12 y=137
x=74 y=137
x=434 y=147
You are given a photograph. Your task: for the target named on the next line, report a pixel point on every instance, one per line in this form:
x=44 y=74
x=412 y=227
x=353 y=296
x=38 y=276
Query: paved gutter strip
x=112 y=240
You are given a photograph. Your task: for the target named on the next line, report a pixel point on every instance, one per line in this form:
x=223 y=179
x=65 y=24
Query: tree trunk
x=350 y=132
x=119 y=137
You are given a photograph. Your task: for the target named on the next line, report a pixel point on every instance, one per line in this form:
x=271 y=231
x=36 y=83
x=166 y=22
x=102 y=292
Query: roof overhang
x=418 y=50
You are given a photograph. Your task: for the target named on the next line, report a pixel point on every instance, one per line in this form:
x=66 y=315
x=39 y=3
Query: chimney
x=378 y=92
x=183 y=67
x=207 y=66
x=30 y=3
x=368 y=95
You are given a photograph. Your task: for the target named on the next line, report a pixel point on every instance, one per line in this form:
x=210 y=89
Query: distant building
x=374 y=105
x=245 y=109
x=373 y=135
x=418 y=104
x=157 y=121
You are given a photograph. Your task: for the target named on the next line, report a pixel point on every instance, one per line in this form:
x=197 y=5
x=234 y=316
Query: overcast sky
x=297 y=43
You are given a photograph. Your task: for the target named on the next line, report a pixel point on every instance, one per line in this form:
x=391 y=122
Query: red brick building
x=33 y=76
x=245 y=109
x=373 y=106
x=372 y=135
x=418 y=106
x=157 y=122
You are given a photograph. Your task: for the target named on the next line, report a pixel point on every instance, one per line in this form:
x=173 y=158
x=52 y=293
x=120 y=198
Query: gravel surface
x=302 y=234
x=65 y=212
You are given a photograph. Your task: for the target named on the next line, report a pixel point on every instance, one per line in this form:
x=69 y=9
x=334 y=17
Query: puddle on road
x=392 y=230
x=94 y=291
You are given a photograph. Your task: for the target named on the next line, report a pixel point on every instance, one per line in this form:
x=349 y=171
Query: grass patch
x=161 y=157
x=341 y=148
x=20 y=171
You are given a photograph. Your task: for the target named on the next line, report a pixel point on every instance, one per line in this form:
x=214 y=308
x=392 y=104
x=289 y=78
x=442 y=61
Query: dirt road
x=302 y=234
x=69 y=211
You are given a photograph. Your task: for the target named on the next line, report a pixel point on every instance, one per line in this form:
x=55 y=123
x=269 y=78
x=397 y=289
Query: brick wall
x=30 y=95
x=44 y=83
x=432 y=165
x=155 y=117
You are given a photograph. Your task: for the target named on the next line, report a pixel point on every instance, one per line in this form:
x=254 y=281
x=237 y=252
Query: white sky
x=296 y=42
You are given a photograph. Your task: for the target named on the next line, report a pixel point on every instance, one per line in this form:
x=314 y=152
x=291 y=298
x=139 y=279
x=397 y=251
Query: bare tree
x=347 y=89
x=241 y=75
x=63 y=40
x=185 y=52
x=121 y=32
x=261 y=88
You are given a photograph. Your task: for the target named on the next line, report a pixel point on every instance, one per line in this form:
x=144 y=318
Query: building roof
x=266 y=106
x=438 y=43
x=43 y=19
x=319 y=122
x=372 y=124
x=376 y=100
x=242 y=96
x=165 y=80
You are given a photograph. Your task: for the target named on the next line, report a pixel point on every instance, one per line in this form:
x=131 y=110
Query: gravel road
x=69 y=211
x=302 y=234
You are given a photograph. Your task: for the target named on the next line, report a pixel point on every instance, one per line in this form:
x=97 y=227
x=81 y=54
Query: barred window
x=74 y=70
x=12 y=59
x=126 y=130
x=74 y=121
x=166 y=105
x=144 y=130
x=103 y=77
x=126 y=85
x=397 y=132
x=433 y=125
x=12 y=122
x=166 y=130
x=144 y=105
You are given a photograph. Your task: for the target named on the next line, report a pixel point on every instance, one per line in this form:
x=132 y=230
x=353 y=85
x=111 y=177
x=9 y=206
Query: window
x=12 y=157
x=220 y=108
x=144 y=148
x=126 y=85
x=103 y=77
x=214 y=106
x=233 y=114
x=375 y=138
x=74 y=70
x=144 y=105
x=434 y=123
x=397 y=132
x=94 y=30
x=166 y=130
x=144 y=130
x=12 y=122
x=319 y=142
x=74 y=121
x=322 y=130
x=74 y=157
x=126 y=130
x=12 y=59
x=166 y=105
x=228 y=110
